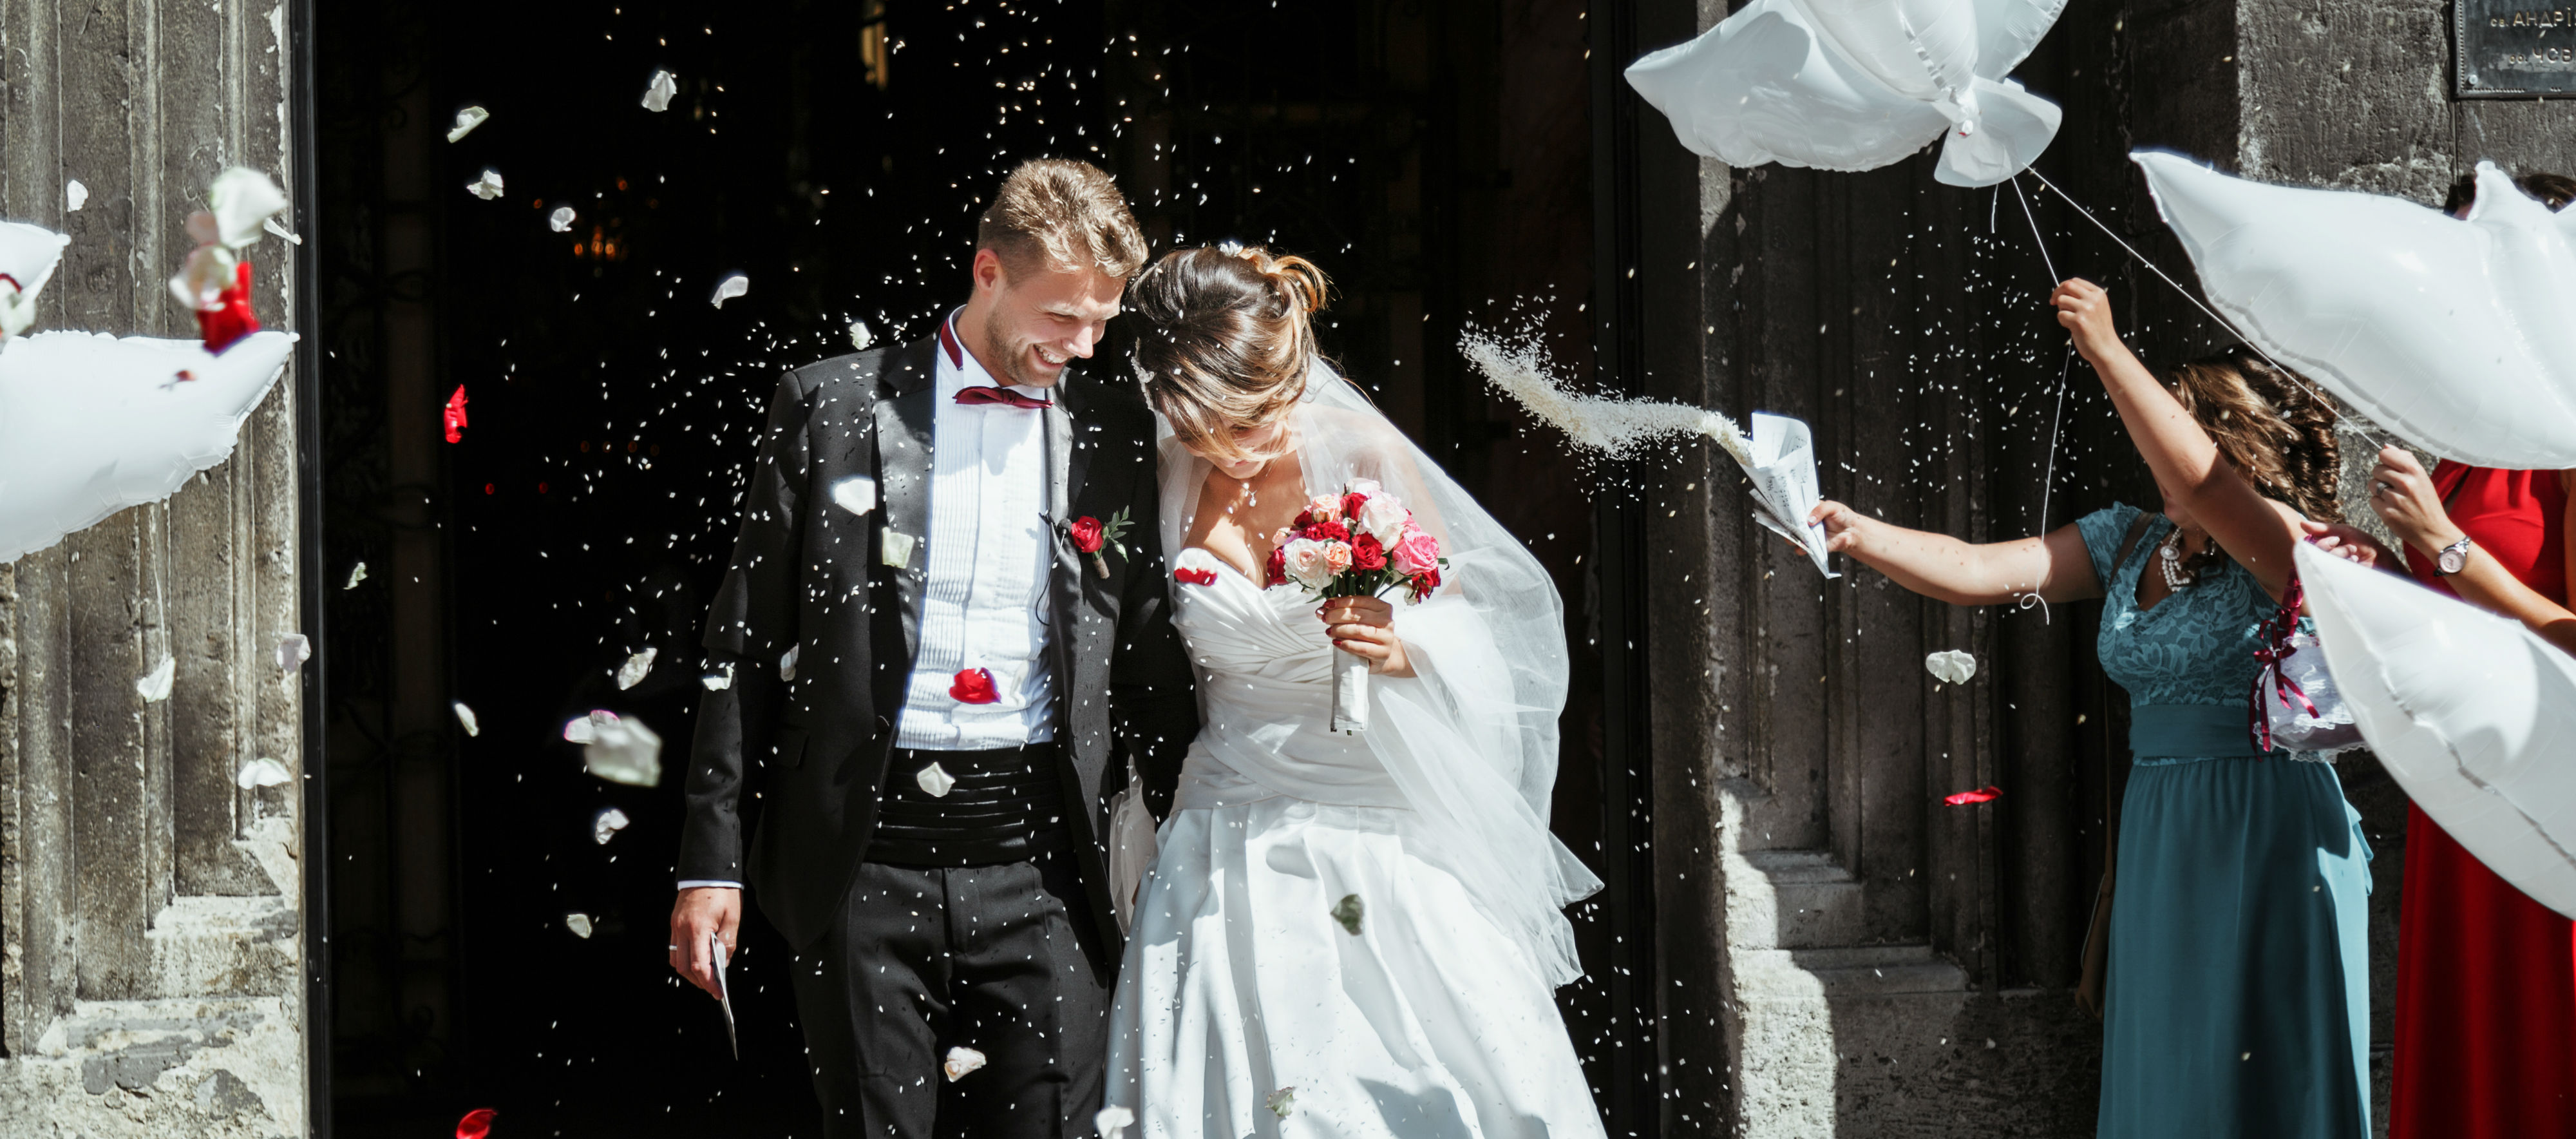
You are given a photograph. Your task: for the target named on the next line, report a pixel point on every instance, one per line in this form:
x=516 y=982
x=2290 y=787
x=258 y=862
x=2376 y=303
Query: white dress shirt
x=984 y=599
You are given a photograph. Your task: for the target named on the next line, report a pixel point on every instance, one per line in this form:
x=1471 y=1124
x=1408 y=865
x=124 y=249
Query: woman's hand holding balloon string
x=2402 y=494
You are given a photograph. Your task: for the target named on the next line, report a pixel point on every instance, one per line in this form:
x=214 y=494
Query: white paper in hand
x=1783 y=469
x=724 y=990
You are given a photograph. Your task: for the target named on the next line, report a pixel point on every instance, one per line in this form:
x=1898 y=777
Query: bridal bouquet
x=1359 y=543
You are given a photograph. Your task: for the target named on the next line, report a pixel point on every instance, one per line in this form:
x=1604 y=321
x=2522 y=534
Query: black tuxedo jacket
x=785 y=775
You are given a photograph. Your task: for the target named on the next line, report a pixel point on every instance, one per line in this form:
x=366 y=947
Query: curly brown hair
x=1223 y=339
x=2268 y=422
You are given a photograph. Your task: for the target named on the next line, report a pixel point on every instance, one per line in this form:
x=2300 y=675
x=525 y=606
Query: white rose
x=1308 y=564
x=1383 y=518
x=1367 y=487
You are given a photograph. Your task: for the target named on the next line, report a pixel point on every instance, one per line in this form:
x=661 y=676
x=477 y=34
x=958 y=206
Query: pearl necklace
x=2169 y=559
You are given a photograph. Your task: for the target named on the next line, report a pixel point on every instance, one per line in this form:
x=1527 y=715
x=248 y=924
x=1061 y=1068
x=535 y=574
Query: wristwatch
x=2453 y=558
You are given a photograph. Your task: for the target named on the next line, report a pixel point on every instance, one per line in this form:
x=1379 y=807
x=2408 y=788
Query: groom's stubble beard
x=1012 y=355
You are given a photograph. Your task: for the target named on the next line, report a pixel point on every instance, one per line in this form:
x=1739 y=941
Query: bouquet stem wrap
x=1350 y=693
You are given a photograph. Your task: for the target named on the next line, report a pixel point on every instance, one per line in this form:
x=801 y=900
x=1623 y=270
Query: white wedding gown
x=1430 y=1022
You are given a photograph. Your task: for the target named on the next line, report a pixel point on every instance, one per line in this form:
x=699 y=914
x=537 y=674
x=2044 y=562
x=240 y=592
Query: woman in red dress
x=2486 y=977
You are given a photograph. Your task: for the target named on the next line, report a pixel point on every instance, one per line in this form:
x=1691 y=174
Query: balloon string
x=2065 y=367
x=2330 y=405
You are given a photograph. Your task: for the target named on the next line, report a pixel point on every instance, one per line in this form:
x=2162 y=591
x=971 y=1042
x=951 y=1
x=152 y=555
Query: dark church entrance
x=490 y=938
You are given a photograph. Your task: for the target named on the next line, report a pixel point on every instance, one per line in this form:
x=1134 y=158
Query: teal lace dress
x=2238 y=997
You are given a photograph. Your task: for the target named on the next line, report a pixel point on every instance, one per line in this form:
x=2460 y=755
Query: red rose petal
x=1980 y=795
x=456 y=415
x=973 y=686
x=1195 y=576
x=476 y=1124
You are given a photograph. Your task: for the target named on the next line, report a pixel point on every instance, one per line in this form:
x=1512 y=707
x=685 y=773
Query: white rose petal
x=466 y=121
x=560 y=221
x=579 y=924
x=486 y=187
x=657 y=94
x=465 y=716
x=861 y=335
x=242 y=200
x=623 y=751
x=155 y=685
x=605 y=825
x=787 y=664
x=1951 y=666
x=357 y=573
x=730 y=288
x=261 y=772
x=1112 y=1122
x=293 y=650
x=585 y=729
x=961 y=1060
x=636 y=668
x=75 y=196
x=856 y=494
x=1281 y=1102
x=934 y=781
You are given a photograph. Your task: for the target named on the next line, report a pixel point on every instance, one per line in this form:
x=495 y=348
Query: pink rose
x=1416 y=552
x=1306 y=563
x=1326 y=508
x=1337 y=555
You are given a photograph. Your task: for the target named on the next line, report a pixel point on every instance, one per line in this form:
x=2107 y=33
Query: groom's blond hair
x=1062 y=215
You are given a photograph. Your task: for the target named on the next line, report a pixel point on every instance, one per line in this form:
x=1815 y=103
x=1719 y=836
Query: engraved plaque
x=2513 y=49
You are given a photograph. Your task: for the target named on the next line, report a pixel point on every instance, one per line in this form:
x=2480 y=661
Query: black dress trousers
x=925 y=958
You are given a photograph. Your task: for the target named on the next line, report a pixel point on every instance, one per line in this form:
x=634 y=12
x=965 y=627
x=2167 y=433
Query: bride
x=1351 y=935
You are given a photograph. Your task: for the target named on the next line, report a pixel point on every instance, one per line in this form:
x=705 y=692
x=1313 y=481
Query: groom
x=930 y=672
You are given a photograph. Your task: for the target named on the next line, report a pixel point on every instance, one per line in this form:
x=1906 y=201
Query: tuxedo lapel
x=905 y=414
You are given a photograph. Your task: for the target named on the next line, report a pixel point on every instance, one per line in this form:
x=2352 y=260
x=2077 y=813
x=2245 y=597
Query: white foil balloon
x=1858 y=84
x=2473 y=715
x=2457 y=335
x=90 y=424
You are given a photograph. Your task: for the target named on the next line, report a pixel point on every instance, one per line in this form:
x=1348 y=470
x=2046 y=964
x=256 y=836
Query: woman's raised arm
x=2056 y=566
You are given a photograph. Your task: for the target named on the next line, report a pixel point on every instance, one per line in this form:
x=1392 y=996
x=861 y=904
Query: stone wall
x=150 y=909
x=1841 y=953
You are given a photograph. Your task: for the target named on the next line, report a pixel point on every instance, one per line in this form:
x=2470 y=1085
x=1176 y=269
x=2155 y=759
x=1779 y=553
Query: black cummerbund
x=1005 y=806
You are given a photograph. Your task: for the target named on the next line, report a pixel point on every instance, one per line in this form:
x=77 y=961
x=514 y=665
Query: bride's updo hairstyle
x=1223 y=339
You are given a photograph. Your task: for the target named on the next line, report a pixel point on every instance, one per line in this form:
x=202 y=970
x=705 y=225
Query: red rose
x=973 y=686
x=1086 y=534
x=1277 y=571
x=1327 y=532
x=1366 y=554
x=1305 y=518
x=1351 y=504
x=1424 y=583
x=1194 y=576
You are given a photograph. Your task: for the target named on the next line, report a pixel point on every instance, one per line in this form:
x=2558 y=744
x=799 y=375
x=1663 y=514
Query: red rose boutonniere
x=1090 y=535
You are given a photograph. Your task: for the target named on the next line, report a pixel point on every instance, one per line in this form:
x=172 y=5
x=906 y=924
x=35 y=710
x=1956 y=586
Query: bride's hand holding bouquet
x=1350 y=549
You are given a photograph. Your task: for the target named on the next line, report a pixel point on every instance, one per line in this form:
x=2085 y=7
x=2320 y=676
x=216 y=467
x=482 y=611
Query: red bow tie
x=984 y=396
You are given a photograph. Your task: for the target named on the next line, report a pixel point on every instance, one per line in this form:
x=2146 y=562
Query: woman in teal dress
x=2238 y=995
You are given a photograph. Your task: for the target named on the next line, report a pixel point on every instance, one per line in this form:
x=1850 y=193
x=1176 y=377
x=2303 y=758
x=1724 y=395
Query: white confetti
x=605 y=825
x=75 y=196
x=730 y=288
x=155 y=685
x=657 y=94
x=934 y=780
x=357 y=573
x=560 y=221
x=486 y=187
x=1281 y=1102
x=293 y=650
x=1951 y=666
x=466 y=121
x=636 y=668
x=261 y=772
x=787 y=664
x=465 y=717
x=860 y=334
x=961 y=1060
x=1112 y=1122
x=579 y=924
x=856 y=494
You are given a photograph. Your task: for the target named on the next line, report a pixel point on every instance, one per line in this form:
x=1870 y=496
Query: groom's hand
x=1365 y=627
x=703 y=911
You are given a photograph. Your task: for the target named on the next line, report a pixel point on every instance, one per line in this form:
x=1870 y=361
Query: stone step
x=1811 y=900
x=1881 y=970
